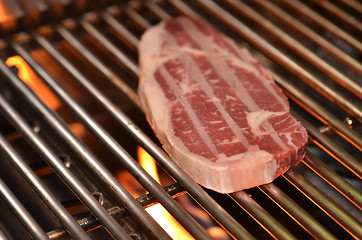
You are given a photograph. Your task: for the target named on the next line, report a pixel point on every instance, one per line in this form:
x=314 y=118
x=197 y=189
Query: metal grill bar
x=347 y=190
x=297 y=213
x=185 y=9
x=352 y=136
x=217 y=12
x=108 y=45
x=270 y=224
x=310 y=34
x=243 y=199
x=148 y=182
x=339 y=14
x=20 y=211
x=149 y=223
x=48 y=198
x=3 y=235
x=111 y=225
x=100 y=65
x=287 y=40
x=230 y=224
x=276 y=230
x=138 y=19
x=333 y=149
x=197 y=193
x=154 y=8
x=88 y=157
x=90 y=222
x=194 y=190
x=130 y=38
x=310 y=79
x=353 y=4
x=320 y=112
x=323 y=202
x=306 y=11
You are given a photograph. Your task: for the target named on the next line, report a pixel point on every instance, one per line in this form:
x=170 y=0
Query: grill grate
x=314 y=52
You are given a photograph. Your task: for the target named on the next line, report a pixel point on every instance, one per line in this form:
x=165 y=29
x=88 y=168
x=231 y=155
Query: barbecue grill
x=71 y=122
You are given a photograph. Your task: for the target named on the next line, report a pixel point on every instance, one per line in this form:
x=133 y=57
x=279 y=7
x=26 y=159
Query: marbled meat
x=217 y=112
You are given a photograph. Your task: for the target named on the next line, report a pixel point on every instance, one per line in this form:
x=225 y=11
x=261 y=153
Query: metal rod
x=296 y=212
x=268 y=49
x=325 y=203
x=95 y=33
x=159 y=12
x=352 y=136
x=297 y=47
x=138 y=19
x=248 y=204
x=110 y=20
x=21 y=213
x=185 y=9
x=98 y=64
x=312 y=106
x=3 y=235
x=341 y=185
x=353 y=4
x=307 y=32
x=346 y=132
x=262 y=217
x=318 y=19
x=320 y=112
x=90 y=222
x=134 y=70
x=342 y=156
x=88 y=157
x=48 y=198
x=222 y=216
x=357 y=24
x=16 y=10
x=68 y=177
x=148 y=4
x=199 y=195
x=126 y=159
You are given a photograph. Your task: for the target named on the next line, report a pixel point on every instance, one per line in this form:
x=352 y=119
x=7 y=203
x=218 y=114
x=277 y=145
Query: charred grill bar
x=86 y=54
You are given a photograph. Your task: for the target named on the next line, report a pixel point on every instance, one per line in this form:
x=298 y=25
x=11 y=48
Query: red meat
x=217 y=112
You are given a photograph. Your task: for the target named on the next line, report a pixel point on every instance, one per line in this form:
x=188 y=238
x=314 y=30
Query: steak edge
x=217 y=112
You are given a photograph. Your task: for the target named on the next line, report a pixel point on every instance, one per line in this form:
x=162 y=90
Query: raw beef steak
x=215 y=109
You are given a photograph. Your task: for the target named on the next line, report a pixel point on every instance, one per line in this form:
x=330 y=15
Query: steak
x=217 y=112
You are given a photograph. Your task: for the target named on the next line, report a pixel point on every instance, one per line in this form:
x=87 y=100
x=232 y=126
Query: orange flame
x=7 y=19
x=28 y=76
x=24 y=71
x=2 y=13
x=160 y=214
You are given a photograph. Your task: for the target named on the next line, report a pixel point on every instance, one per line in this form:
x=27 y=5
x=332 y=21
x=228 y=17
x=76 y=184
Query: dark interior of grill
x=71 y=124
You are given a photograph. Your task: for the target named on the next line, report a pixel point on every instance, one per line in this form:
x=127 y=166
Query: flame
x=24 y=71
x=28 y=76
x=2 y=12
x=160 y=214
x=7 y=19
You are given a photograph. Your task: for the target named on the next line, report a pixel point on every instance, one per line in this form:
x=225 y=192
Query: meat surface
x=217 y=112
